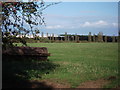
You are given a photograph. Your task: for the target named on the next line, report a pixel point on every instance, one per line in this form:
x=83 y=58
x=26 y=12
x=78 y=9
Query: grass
x=78 y=62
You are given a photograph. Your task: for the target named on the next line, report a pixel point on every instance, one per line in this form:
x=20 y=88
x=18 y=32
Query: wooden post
x=65 y=36
x=42 y=35
x=50 y=37
x=68 y=38
x=61 y=38
x=116 y=38
x=113 y=38
x=89 y=37
x=57 y=37
x=94 y=38
x=76 y=37
x=53 y=37
x=73 y=38
x=105 y=38
x=47 y=35
x=79 y=38
x=100 y=37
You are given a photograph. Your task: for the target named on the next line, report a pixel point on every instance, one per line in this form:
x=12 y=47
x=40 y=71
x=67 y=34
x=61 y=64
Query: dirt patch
x=94 y=84
x=50 y=84
x=89 y=84
x=57 y=85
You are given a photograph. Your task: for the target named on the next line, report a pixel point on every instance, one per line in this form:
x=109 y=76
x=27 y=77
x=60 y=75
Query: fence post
x=61 y=38
x=73 y=38
x=42 y=35
x=47 y=35
x=105 y=38
x=65 y=36
x=50 y=37
x=113 y=38
x=56 y=38
x=89 y=37
x=53 y=37
x=68 y=38
x=116 y=38
x=79 y=38
x=76 y=37
x=100 y=37
x=94 y=38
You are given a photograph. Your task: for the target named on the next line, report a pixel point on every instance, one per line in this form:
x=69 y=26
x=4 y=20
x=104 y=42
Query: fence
x=76 y=38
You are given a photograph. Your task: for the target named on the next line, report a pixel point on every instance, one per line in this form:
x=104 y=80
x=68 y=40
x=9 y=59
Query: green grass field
x=77 y=63
x=80 y=62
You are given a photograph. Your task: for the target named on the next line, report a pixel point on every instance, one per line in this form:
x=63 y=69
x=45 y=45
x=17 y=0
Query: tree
x=21 y=18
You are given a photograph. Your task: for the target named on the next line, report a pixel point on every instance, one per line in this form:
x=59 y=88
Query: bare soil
x=52 y=85
x=94 y=84
x=89 y=84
